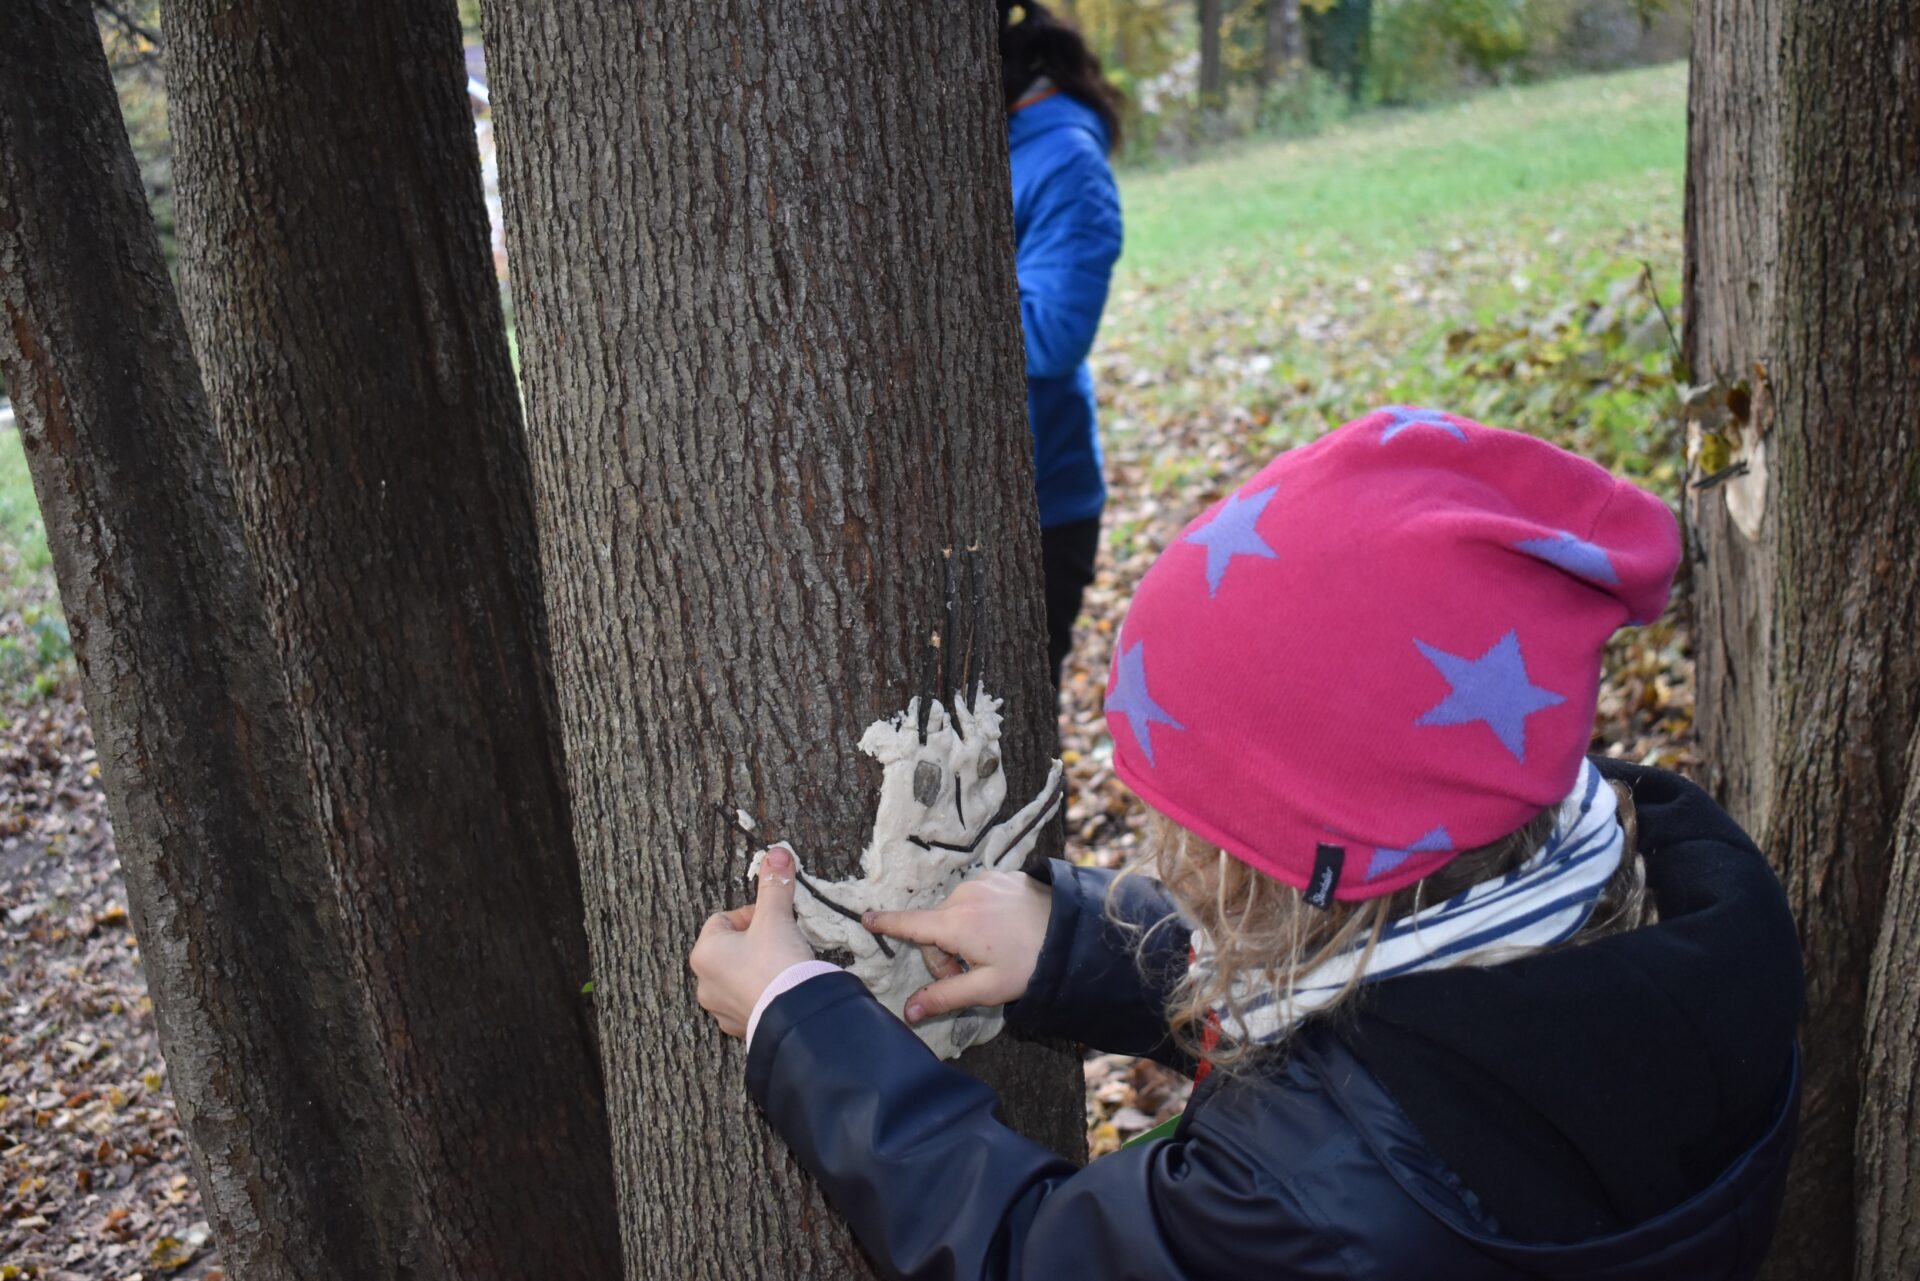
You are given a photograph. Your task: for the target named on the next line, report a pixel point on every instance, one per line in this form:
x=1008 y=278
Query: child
x=1063 y=118
x=1468 y=1004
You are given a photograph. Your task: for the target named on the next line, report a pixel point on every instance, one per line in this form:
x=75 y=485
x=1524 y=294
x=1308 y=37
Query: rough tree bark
x=1804 y=305
x=1889 y=1160
x=1213 y=70
x=763 y=267
x=1283 y=52
x=268 y=1055
x=335 y=272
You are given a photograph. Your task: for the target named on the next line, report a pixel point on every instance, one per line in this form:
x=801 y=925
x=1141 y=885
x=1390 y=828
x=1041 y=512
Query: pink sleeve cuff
x=788 y=979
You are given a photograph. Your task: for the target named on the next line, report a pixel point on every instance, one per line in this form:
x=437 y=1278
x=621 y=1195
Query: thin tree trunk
x=1734 y=218
x=763 y=263
x=1282 y=53
x=1804 y=300
x=1889 y=1157
x=1213 y=71
x=335 y=272
x=268 y=1055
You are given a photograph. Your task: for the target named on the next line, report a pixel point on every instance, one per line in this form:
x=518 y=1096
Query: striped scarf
x=1544 y=901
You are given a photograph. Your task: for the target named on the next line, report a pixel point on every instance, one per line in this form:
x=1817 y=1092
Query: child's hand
x=739 y=952
x=981 y=944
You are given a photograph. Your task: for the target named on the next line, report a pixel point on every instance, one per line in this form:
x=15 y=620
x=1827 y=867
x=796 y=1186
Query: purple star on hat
x=1493 y=688
x=1231 y=533
x=1401 y=417
x=1130 y=698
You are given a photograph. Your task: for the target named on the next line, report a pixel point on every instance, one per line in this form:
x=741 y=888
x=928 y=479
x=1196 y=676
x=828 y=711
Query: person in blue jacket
x=1063 y=120
x=1568 y=1051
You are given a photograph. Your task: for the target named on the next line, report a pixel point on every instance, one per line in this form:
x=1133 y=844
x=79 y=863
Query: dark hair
x=1034 y=43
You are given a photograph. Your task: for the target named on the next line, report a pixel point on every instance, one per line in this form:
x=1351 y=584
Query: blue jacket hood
x=1061 y=111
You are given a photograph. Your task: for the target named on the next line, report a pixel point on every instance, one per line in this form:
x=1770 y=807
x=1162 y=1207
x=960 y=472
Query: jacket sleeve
x=1064 y=259
x=1107 y=965
x=936 y=1188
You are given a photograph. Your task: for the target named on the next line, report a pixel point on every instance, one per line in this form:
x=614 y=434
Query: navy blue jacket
x=1645 y=1083
x=1066 y=232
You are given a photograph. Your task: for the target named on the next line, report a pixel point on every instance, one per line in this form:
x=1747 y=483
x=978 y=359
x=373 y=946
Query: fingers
x=941 y=963
x=925 y=926
x=727 y=922
x=775 y=903
x=974 y=987
x=710 y=1001
x=717 y=926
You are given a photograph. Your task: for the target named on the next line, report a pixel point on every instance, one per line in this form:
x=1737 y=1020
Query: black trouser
x=1067 y=554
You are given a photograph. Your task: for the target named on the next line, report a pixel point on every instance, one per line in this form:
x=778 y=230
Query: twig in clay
x=847 y=912
x=1052 y=796
x=951 y=651
x=971 y=585
x=1045 y=812
x=928 y=666
x=733 y=820
x=983 y=624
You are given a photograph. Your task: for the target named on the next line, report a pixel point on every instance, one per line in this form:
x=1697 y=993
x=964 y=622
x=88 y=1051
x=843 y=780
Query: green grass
x=35 y=651
x=1386 y=184
x=23 y=539
x=1490 y=256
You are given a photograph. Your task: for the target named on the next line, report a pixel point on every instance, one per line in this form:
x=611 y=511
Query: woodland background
x=1292 y=257
x=1330 y=206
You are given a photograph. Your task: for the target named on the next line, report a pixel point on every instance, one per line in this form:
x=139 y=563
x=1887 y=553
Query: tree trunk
x=1213 y=71
x=1804 y=304
x=1734 y=218
x=335 y=272
x=1889 y=1158
x=268 y=1056
x=764 y=273
x=1282 y=53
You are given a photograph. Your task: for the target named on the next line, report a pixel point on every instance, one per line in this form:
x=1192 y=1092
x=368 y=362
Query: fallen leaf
x=170 y=1255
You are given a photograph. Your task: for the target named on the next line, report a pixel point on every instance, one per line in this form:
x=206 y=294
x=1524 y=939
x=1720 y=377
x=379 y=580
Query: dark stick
x=1054 y=796
x=732 y=817
x=985 y=641
x=950 y=642
x=1653 y=291
x=733 y=821
x=927 y=662
x=972 y=588
x=847 y=912
x=1722 y=476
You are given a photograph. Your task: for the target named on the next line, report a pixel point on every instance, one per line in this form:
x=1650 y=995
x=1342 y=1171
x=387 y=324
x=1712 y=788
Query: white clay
x=946 y=791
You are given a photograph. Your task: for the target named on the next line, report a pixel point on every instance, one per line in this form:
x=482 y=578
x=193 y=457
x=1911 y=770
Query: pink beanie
x=1383 y=649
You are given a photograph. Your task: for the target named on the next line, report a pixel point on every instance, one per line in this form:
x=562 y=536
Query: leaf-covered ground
x=1493 y=257
x=94 y=1177
x=96 y=1181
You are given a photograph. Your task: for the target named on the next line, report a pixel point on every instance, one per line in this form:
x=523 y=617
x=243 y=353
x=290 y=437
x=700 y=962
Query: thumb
x=775 y=901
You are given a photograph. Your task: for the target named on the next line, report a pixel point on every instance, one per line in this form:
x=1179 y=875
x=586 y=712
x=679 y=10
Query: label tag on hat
x=1327 y=862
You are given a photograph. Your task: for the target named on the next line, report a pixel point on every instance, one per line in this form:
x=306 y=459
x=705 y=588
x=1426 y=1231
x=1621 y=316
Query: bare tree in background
x=1283 y=52
x=1213 y=67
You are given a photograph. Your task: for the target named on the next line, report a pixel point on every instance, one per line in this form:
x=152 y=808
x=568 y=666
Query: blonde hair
x=1264 y=928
